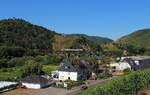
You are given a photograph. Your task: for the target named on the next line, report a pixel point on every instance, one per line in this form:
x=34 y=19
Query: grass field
x=48 y=68
x=14 y=71
x=6 y=73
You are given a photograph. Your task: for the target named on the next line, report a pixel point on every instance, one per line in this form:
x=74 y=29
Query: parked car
x=21 y=86
x=83 y=87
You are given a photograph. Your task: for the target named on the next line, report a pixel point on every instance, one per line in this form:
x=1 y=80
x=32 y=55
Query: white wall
x=123 y=65
x=32 y=86
x=65 y=75
x=55 y=73
x=6 y=83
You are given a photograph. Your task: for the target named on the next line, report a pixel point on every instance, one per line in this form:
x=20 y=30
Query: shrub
x=59 y=86
x=74 y=83
x=3 y=63
x=68 y=81
x=31 y=68
x=127 y=70
x=16 y=62
x=100 y=76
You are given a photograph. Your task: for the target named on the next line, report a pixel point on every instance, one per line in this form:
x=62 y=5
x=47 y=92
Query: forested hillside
x=18 y=35
x=139 y=38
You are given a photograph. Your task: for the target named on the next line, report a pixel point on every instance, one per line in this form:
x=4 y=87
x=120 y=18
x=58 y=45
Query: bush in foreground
x=124 y=85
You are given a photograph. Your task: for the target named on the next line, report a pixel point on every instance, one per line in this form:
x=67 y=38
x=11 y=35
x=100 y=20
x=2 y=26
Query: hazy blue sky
x=107 y=18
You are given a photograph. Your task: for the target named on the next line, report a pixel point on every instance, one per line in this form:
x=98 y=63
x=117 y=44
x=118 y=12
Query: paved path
x=52 y=91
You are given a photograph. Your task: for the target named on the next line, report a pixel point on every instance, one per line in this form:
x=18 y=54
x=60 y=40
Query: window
x=114 y=67
x=68 y=73
x=66 y=67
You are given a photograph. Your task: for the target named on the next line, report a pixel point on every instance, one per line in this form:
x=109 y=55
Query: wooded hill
x=140 y=38
x=19 y=37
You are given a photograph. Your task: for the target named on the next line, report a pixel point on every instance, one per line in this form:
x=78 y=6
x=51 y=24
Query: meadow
x=13 y=72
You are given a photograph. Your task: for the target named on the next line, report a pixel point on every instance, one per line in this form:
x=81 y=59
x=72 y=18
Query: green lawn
x=14 y=71
x=10 y=73
x=48 y=68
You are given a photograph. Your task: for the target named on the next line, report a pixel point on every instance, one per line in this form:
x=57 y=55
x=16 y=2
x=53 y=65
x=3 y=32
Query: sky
x=106 y=18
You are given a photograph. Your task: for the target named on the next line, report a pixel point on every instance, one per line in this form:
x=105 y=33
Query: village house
x=132 y=63
x=36 y=82
x=138 y=62
x=120 y=66
x=72 y=70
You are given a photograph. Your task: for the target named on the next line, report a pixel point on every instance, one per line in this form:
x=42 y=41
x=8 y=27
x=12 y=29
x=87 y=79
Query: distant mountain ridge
x=96 y=39
x=140 y=38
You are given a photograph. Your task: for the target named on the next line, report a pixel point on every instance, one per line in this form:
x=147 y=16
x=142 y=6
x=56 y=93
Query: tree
x=31 y=67
x=54 y=59
x=94 y=64
x=105 y=62
x=7 y=51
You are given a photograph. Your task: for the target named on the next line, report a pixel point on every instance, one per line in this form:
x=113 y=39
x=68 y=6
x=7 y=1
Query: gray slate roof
x=36 y=79
x=75 y=66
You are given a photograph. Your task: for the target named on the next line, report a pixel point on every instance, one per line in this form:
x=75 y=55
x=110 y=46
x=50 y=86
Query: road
x=52 y=91
x=61 y=91
x=75 y=91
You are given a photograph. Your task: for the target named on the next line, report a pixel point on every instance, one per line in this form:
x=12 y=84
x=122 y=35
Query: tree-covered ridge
x=18 y=32
x=139 y=38
x=96 y=39
x=18 y=35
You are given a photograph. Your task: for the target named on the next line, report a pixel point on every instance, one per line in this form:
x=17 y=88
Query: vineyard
x=124 y=85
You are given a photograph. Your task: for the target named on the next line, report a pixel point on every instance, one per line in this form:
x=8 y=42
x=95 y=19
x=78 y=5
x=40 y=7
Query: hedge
x=74 y=84
x=123 y=85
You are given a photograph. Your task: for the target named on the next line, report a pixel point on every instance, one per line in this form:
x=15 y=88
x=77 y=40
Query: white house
x=35 y=82
x=64 y=75
x=131 y=62
x=55 y=75
x=120 y=66
x=73 y=70
x=138 y=62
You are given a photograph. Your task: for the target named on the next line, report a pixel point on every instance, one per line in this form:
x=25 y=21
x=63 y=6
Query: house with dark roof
x=138 y=62
x=131 y=62
x=73 y=70
x=36 y=82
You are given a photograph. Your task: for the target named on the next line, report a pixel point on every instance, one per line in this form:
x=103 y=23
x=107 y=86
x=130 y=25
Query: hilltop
x=140 y=38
